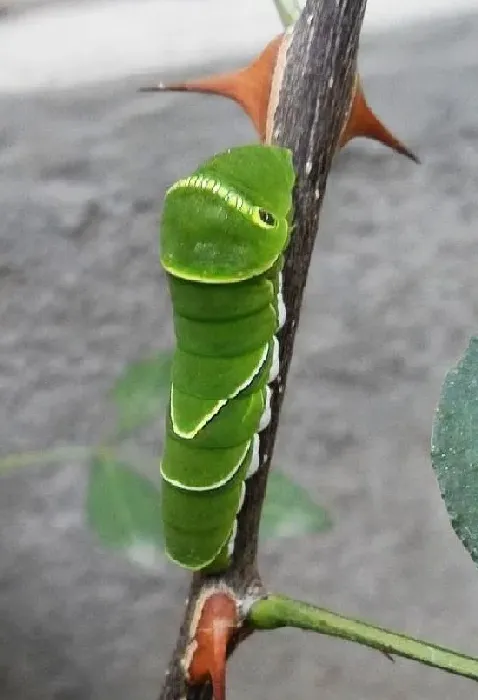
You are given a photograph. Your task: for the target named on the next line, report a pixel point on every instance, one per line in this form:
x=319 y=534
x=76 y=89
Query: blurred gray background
x=391 y=300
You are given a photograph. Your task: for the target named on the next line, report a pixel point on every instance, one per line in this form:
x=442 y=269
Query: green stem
x=289 y=11
x=53 y=456
x=279 y=611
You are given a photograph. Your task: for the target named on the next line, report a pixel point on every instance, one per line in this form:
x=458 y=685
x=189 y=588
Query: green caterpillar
x=223 y=233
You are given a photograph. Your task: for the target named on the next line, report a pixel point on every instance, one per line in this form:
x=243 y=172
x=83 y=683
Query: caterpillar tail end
x=218 y=619
x=363 y=122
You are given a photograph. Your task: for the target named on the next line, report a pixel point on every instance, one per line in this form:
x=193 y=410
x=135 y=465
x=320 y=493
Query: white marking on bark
x=220 y=587
x=188 y=656
x=355 y=87
x=252 y=595
x=276 y=83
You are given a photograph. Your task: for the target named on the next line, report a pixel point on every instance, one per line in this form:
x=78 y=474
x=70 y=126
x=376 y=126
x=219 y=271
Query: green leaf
x=289 y=511
x=277 y=611
x=454 y=449
x=289 y=11
x=55 y=455
x=123 y=509
x=142 y=392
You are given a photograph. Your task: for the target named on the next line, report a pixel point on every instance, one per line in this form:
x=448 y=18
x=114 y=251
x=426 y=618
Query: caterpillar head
x=227 y=222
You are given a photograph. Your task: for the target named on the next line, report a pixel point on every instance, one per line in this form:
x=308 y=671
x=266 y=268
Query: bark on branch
x=313 y=103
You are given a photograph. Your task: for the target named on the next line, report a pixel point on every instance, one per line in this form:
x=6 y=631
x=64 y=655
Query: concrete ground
x=391 y=300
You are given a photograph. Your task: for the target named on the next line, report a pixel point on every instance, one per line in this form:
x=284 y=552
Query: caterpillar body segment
x=221 y=378
x=216 y=303
x=223 y=233
x=231 y=426
x=205 y=524
x=227 y=338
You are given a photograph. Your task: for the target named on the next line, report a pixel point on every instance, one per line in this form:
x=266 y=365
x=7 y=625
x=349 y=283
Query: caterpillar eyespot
x=225 y=286
x=266 y=217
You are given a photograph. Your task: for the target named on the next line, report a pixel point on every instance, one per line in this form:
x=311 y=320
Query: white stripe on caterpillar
x=242 y=497
x=200 y=425
x=216 y=484
x=255 y=459
x=254 y=373
x=274 y=372
x=266 y=416
x=232 y=538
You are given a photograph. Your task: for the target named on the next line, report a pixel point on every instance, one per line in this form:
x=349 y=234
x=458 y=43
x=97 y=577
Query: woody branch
x=313 y=101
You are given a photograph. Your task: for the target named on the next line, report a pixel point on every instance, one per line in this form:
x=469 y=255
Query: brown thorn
x=218 y=619
x=256 y=87
x=250 y=87
x=363 y=122
x=153 y=88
